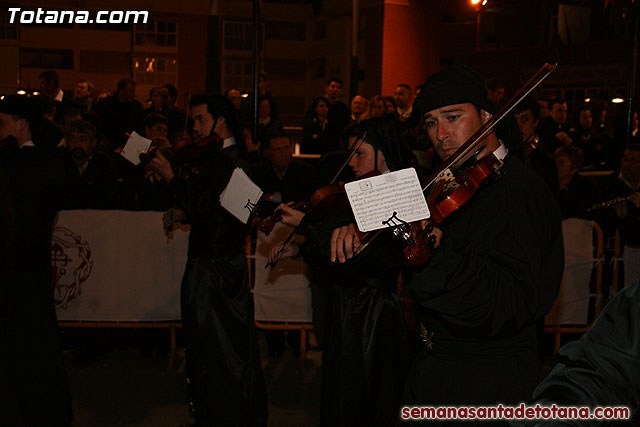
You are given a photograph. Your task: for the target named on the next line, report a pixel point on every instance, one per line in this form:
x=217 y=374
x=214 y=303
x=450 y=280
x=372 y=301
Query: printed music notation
x=374 y=200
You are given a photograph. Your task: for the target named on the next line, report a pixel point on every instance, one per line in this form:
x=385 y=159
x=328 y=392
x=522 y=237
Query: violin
x=319 y=204
x=456 y=181
x=185 y=151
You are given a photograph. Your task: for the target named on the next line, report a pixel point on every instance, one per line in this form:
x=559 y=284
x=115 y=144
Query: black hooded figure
x=34 y=390
x=365 y=356
x=223 y=364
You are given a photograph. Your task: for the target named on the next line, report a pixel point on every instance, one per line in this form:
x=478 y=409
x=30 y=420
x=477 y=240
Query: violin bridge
x=449 y=179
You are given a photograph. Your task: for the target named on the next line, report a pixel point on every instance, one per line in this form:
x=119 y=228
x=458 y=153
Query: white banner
x=281 y=293
x=572 y=305
x=116 y=266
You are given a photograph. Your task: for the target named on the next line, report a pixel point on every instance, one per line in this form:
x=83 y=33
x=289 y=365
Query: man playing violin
x=223 y=364
x=365 y=357
x=495 y=268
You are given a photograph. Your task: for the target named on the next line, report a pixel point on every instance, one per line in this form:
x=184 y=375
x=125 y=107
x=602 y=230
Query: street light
x=617 y=100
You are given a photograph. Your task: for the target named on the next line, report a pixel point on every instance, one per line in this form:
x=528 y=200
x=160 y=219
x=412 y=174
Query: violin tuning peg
x=429 y=227
x=431 y=240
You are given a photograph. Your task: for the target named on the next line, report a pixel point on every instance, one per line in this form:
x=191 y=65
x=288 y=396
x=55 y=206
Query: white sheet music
x=240 y=196
x=374 y=200
x=135 y=146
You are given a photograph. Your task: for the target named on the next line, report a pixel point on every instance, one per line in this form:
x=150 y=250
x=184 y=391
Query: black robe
x=31 y=351
x=495 y=274
x=600 y=369
x=365 y=356
x=223 y=364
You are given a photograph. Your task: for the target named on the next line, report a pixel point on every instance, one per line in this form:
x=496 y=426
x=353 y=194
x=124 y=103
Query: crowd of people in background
x=102 y=179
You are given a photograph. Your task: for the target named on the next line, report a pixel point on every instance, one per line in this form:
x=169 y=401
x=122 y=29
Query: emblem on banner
x=71 y=265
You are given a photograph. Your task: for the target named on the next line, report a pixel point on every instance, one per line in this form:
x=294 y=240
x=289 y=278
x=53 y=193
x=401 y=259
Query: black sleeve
x=600 y=369
x=499 y=268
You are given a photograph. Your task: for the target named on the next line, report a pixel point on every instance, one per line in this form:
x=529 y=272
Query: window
x=107 y=27
x=157 y=33
x=46 y=58
x=237 y=73
x=238 y=35
x=96 y=61
x=277 y=30
x=285 y=69
x=319 y=31
x=153 y=70
x=318 y=68
x=7 y=31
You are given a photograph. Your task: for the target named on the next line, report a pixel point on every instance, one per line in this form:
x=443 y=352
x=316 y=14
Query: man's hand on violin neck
x=344 y=243
x=161 y=166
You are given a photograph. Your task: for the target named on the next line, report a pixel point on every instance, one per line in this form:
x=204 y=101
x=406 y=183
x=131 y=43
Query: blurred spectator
x=377 y=107
x=176 y=116
x=267 y=125
x=389 y=105
x=402 y=98
x=235 y=96
x=317 y=136
x=82 y=99
x=50 y=86
x=92 y=174
x=584 y=137
x=158 y=96
x=254 y=153
x=495 y=87
x=601 y=125
x=173 y=95
x=263 y=92
x=338 y=115
x=121 y=113
x=553 y=130
x=527 y=116
x=544 y=108
x=156 y=126
x=281 y=177
x=30 y=347
x=575 y=194
x=49 y=132
x=72 y=115
x=359 y=105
